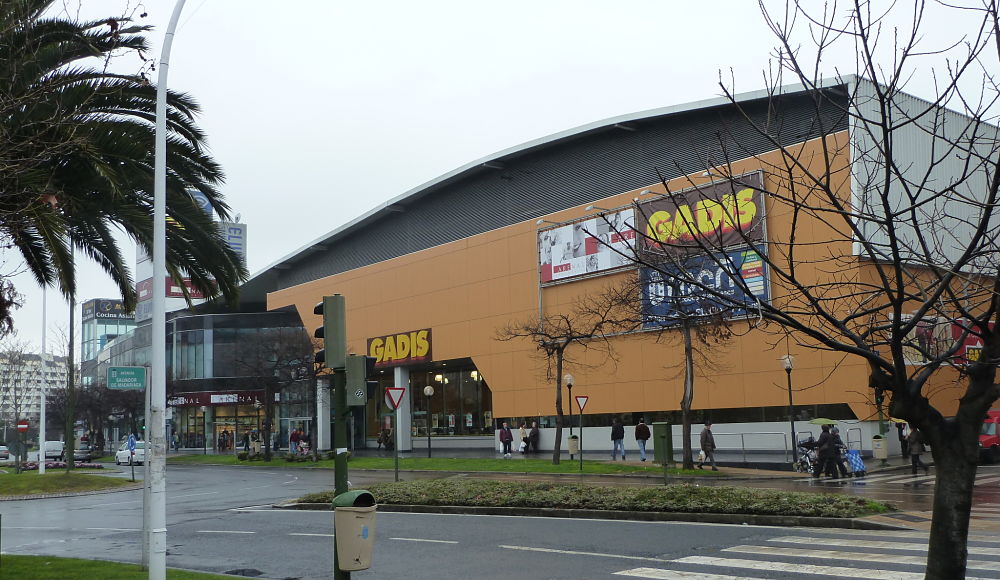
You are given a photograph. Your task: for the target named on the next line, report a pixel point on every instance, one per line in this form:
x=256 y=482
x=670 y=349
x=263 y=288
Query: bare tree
x=19 y=386
x=588 y=324
x=882 y=240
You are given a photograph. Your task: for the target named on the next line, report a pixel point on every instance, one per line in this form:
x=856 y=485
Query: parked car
x=4 y=452
x=125 y=457
x=55 y=450
x=989 y=438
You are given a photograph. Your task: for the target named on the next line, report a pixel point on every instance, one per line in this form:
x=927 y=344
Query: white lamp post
x=788 y=362
x=428 y=392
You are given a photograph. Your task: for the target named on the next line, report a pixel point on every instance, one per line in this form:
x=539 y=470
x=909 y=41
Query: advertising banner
x=970 y=347
x=929 y=339
x=668 y=294
x=717 y=215
x=400 y=349
x=586 y=246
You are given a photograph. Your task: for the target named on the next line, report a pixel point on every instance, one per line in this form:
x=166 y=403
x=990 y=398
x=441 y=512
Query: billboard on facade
x=587 y=246
x=714 y=216
x=105 y=308
x=402 y=348
x=666 y=299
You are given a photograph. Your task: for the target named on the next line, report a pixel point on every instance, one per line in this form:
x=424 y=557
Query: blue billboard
x=703 y=286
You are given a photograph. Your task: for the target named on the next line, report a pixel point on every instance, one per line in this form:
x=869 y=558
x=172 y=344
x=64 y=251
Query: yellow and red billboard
x=712 y=217
x=402 y=348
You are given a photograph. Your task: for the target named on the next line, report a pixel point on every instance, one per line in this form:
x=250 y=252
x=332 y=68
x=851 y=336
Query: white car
x=125 y=457
x=55 y=450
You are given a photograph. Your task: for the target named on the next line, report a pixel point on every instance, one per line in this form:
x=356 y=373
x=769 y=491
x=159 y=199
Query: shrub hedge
x=685 y=498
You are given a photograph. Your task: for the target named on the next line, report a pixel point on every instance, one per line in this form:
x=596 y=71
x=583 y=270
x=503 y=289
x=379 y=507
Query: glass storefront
x=462 y=403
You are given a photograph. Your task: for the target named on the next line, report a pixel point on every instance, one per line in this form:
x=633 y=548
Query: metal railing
x=696 y=441
x=860 y=440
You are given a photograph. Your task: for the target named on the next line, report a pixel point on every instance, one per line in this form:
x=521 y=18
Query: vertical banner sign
x=587 y=246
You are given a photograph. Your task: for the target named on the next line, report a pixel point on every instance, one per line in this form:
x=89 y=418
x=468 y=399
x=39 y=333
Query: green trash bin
x=354 y=529
x=663 y=443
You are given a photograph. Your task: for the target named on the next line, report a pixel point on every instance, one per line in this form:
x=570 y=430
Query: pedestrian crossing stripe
x=850 y=556
x=867 y=539
x=898 y=478
x=909 y=547
x=657 y=573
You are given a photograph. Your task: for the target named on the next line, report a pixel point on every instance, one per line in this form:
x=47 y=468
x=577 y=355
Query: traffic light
x=360 y=373
x=333 y=332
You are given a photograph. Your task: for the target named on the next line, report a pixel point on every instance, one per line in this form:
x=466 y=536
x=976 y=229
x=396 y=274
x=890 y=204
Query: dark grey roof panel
x=571 y=171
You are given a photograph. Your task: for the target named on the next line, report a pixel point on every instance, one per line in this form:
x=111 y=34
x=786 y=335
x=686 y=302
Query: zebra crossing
x=903 y=478
x=874 y=554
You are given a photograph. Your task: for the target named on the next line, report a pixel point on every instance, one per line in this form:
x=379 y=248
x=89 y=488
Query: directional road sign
x=393 y=396
x=127 y=378
x=581 y=401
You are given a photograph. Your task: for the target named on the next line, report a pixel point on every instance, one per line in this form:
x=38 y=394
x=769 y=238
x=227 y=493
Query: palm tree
x=76 y=156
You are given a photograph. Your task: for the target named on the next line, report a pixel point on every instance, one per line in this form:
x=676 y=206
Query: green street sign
x=127 y=378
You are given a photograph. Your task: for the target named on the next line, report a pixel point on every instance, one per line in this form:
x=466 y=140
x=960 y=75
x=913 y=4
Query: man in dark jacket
x=617 y=439
x=708 y=446
x=533 y=436
x=641 y=436
x=825 y=451
x=505 y=438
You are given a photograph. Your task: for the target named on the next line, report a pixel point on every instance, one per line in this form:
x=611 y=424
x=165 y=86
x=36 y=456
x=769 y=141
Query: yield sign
x=393 y=395
x=581 y=401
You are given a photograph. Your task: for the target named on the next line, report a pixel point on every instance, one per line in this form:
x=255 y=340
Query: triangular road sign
x=581 y=401
x=393 y=396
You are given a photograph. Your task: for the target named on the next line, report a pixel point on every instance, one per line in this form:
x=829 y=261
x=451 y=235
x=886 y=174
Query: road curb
x=711 y=518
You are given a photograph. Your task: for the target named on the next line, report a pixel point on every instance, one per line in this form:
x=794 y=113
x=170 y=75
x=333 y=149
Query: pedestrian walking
x=293 y=441
x=838 y=452
x=505 y=439
x=617 y=439
x=522 y=435
x=708 y=447
x=533 y=436
x=641 y=436
x=825 y=453
x=915 y=443
x=903 y=445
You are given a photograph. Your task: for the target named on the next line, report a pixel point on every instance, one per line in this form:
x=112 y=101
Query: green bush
x=674 y=498
x=242 y=456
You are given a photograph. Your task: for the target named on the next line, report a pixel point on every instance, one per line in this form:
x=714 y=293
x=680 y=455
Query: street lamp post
x=428 y=392
x=568 y=379
x=788 y=362
x=204 y=428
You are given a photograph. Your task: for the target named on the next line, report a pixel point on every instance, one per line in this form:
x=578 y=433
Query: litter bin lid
x=356 y=498
x=660 y=423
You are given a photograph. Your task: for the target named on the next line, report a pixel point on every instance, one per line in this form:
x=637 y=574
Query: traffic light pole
x=340 y=459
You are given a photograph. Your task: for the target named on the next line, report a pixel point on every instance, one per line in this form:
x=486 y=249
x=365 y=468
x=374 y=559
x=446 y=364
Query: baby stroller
x=808 y=460
x=857 y=464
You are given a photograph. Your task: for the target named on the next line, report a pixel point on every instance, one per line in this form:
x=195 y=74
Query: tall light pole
x=788 y=362
x=568 y=379
x=428 y=392
x=156 y=442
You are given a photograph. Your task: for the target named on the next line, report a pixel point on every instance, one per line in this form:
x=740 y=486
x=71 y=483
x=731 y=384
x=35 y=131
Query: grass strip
x=55 y=481
x=454 y=464
x=52 y=568
x=684 y=498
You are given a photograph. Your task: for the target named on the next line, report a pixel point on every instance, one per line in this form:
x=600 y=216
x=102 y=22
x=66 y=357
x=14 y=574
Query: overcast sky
x=319 y=110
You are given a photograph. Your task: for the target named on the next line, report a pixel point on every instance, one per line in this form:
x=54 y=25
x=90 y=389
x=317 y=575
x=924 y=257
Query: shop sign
x=105 y=308
x=401 y=349
x=713 y=216
x=216 y=398
x=703 y=286
x=589 y=246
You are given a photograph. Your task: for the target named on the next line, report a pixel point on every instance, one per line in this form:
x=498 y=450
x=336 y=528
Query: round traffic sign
x=22 y=426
